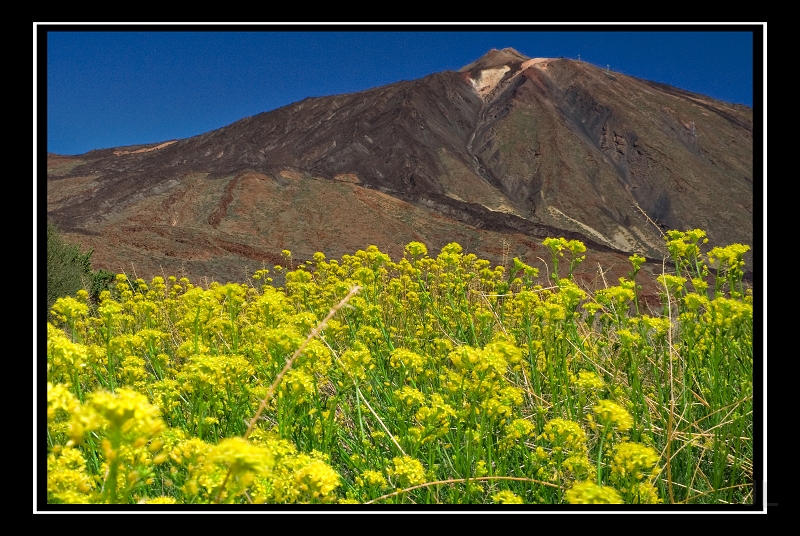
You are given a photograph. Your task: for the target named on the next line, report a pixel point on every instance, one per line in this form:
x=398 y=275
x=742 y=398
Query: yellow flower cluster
x=633 y=467
x=610 y=417
x=65 y=359
x=410 y=362
x=506 y=497
x=433 y=420
x=587 y=492
x=371 y=478
x=518 y=430
x=67 y=478
x=633 y=460
x=406 y=471
x=125 y=412
x=587 y=381
x=564 y=436
x=316 y=481
x=674 y=284
x=356 y=361
x=410 y=396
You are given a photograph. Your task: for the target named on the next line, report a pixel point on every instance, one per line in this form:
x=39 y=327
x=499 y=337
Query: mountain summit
x=493 y=67
x=496 y=156
x=495 y=59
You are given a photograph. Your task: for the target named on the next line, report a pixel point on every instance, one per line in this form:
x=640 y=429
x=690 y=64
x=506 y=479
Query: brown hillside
x=498 y=156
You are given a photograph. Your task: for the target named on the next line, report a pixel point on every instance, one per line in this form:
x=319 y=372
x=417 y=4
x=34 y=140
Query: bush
x=67 y=266
x=101 y=280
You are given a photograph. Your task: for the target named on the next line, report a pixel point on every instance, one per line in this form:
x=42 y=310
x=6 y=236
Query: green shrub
x=67 y=266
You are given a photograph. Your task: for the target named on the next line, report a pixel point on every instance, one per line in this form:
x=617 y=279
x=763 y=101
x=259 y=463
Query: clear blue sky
x=108 y=86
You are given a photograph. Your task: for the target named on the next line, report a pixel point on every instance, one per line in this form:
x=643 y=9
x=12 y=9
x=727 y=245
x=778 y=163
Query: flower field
x=423 y=380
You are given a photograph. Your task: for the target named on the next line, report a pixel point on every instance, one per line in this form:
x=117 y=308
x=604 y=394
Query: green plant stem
x=599 y=460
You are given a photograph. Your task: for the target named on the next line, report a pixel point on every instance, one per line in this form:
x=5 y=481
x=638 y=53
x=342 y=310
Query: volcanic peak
x=495 y=59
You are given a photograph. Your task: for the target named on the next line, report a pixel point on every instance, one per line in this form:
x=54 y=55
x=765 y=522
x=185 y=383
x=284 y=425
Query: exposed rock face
x=497 y=156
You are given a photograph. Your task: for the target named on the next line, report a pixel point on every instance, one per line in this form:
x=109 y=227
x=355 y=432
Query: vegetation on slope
x=426 y=380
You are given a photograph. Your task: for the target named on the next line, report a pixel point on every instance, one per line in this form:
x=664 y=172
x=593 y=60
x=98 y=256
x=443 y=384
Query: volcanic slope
x=497 y=156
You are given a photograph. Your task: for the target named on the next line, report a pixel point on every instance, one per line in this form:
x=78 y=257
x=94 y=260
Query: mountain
x=496 y=156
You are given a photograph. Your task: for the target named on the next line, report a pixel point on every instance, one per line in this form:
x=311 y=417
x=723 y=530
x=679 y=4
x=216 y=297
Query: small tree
x=67 y=266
